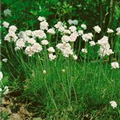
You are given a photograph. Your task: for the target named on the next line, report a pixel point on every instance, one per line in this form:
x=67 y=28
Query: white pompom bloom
x=73 y=37
x=5 y=24
x=39 y=34
x=80 y=32
x=118 y=31
x=44 y=25
x=0 y=89
x=37 y=48
x=1 y=75
x=11 y=36
x=29 y=51
x=65 y=38
x=51 y=31
x=110 y=30
x=66 y=31
x=12 y=28
x=58 y=25
x=115 y=65
x=41 y=19
x=20 y=43
x=51 y=50
x=72 y=28
x=87 y=36
x=74 y=22
x=92 y=43
x=52 y=57
x=5 y=60
x=113 y=104
x=44 y=72
x=75 y=57
x=31 y=41
x=84 y=50
x=7 y=12
x=83 y=26
x=97 y=29
x=44 y=42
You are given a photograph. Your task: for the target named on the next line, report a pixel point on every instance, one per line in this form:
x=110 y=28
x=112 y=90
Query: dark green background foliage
x=25 y=12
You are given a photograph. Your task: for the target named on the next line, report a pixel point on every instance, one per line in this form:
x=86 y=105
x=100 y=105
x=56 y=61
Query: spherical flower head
x=44 y=72
x=92 y=43
x=0 y=89
x=75 y=57
x=113 y=104
x=63 y=70
x=83 y=26
x=41 y=19
x=5 y=24
x=72 y=28
x=31 y=41
x=52 y=57
x=73 y=36
x=12 y=28
x=74 y=22
x=118 y=31
x=115 y=65
x=44 y=42
x=51 y=50
x=7 y=12
x=5 y=60
x=97 y=29
x=29 y=51
x=65 y=38
x=6 y=90
x=84 y=50
x=37 y=48
x=44 y=25
x=58 y=25
x=87 y=36
x=80 y=32
x=1 y=75
x=51 y=31
x=20 y=43
x=110 y=30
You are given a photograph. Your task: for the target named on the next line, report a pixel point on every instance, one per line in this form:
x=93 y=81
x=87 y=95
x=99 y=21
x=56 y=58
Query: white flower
x=29 y=51
x=118 y=31
x=97 y=29
x=73 y=36
x=5 y=60
x=6 y=90
x=44 y=25
x=41 y=18
x=110 y=30
x=65 y=38
x=87 y=36
x=20 y=43
x=44 y=42
x=92 y=43
x=72 y=28
x=51 y=50
x=59 y=24
x=37 y=47
x=61 y=29
x=7 y=12
x=115 y=65
x=12 y=28
x=67 y=31
x=39 y=33
x=63 y=70
x=75 y=57
x=84 y=50
x=51 y=31
x=31 y=41
x=11 y=36
x=1 y=75
x=113 y=104
x=44 y=72
x=5 y=24
x=28 y=32
x=80 y=32
x=83 y=26
x=0 y=89
x=74 y=22
x=52 y=57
